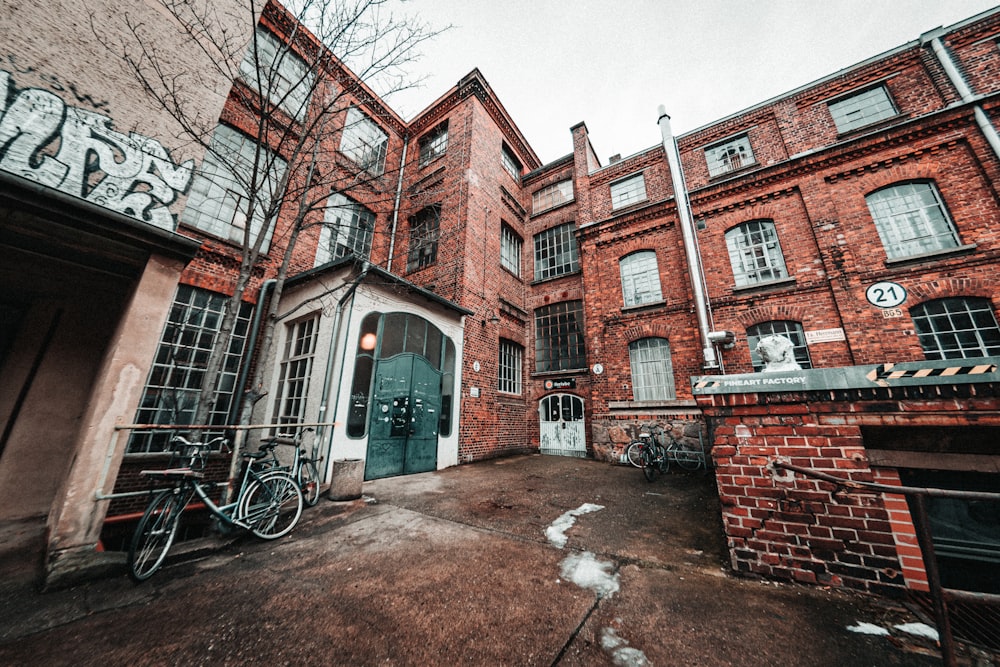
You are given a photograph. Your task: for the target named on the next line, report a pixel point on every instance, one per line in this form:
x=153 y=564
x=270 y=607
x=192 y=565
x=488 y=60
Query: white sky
x=555 y=63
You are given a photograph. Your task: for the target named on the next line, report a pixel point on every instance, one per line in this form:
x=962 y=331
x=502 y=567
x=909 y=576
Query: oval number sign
x=886 y=294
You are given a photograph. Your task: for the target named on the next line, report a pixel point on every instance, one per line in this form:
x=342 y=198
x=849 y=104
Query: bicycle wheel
x=687 y=459
x=650 y=466
x=634 y=453
x=309 y=482
x=272 y=505
x=154 y=534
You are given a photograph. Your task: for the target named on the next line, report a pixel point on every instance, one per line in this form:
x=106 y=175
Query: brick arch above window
x=875 y=177
x=647 y=330
x=949 y=287
x=761 y=314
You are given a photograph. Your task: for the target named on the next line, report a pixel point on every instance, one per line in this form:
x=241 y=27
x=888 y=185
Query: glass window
x=434 y=143
x=173 y=387
x=425 y=229
x=551 y=196
x=509 y=367
x=510 y=163
x=956 y=328
x=652 y=370
x=556 y=252
x=629 y=191
x=220 y=192
x=284 y=78
x=911 y=219
x=347 y=230
x=364 y=142
x=559 y=343
x=364 y=366
x=729 y=156
x=295 y=371
x=862 y=109
x=510 y=250
x=754 y=253
x=640 y=278
x=791 y=330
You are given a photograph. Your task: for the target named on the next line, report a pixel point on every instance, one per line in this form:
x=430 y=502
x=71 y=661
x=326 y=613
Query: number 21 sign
x=886 y=294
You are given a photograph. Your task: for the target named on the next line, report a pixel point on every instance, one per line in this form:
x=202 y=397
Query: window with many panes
x=556 y=252
x=911 y=219
x=559 y=343
x=652 y=370
x=551 y=196
x=510 y=250
x=728 y=156
x=425 y=229
x=957 y=328
x=856 y=111
x=347 y=230
x=280 y=75
x=509 y=367
x=754 y=253
x=640 y=278
x=791 y=330
x=295 y=371
x=434 y=143
x=173 y=387
x=510 y=162
x=364 y=142
x=220 y=192
x=628 y=191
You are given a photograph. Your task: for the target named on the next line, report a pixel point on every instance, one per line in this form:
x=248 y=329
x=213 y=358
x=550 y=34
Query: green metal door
x=403 y=434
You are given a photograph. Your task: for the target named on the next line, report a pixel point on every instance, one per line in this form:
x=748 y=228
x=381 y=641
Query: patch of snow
x=919 y=630
x=622 y=655
x=584 y=570
x=556 y=532
x=868 y=629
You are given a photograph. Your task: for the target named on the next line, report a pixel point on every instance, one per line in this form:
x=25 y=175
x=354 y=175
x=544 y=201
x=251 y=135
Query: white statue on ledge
x=777 y=353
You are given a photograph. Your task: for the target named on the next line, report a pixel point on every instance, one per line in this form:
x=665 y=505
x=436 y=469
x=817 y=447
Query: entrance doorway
x=562 y=430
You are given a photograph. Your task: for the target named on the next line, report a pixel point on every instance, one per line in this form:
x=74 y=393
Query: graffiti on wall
x=76 y=151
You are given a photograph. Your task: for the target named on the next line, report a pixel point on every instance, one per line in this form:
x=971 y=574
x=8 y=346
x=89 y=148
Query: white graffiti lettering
x=76 y=151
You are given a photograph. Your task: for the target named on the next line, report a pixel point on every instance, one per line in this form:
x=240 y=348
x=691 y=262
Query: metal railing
x=941 y=597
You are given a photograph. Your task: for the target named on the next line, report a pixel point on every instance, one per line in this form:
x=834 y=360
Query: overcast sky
x=555 y=63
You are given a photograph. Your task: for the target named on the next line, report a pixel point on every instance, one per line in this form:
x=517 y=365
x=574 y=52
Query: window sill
x=538 y=281
x=640 y=405
x=781 y=282
x=930 y=256
x=568 y=371
x=639 y=307
x=733 y=172
x=880 y=124
x=545 y=211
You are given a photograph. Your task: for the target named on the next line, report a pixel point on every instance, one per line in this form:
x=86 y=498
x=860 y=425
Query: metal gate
x=562 y=430
x=403 y=434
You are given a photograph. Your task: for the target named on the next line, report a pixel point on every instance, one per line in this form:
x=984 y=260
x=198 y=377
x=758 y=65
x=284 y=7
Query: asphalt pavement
x=530 y=560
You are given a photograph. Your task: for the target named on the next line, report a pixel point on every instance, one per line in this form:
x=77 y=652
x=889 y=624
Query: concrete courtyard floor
x=530 y=560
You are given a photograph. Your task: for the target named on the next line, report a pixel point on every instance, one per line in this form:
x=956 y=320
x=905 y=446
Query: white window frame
x=285 y=76
x=556 y=253
x=510 y=249
x=364 y=142
x=510 y=162
x=911 y=219
x=348 y=229
x=652 y=370
x=640 y=274
x=628 y=191
x=219 y=196
x=295 y=371
x=433 y=144
x=861 y=109
x=957 y=328
x=425 y=232
x=755 y=253
x=551 y=196
x=510 y=367
x=730 y=155
x=790 y=329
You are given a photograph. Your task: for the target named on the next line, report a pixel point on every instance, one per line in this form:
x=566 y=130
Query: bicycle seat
x=254 y=455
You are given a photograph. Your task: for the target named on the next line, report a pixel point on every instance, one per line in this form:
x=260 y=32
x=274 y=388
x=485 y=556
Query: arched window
x=911 y=219
x=652 y=370
x=791 y=330
x=640 y=278
x=956 y=328
x=754 y=253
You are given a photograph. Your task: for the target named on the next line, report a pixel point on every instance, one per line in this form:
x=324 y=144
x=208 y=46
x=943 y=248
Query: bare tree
x=294 y=84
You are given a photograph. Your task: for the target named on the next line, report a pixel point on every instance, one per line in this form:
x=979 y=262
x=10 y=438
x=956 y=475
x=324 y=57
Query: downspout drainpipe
x=695 y=269
x=957 y=80
x=327 y=376
x=395 y=207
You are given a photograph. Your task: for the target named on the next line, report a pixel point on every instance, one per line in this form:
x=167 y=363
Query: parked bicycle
x=647 y=453
x=304 y=469
x=268 y=504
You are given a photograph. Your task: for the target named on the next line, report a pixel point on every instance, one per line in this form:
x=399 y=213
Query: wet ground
x=532 y=560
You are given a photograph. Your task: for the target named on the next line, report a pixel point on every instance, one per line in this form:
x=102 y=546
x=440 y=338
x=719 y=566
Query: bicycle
x=269 y=503
x=647 y=448
x=304 y=469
